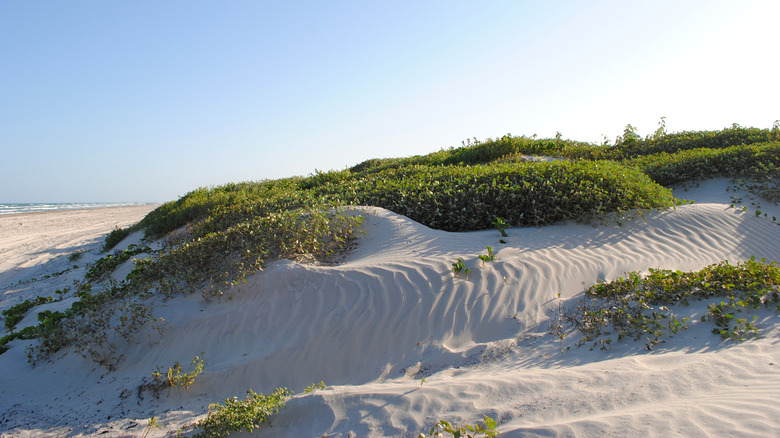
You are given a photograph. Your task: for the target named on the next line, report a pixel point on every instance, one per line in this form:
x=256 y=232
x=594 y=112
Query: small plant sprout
x=467 y=273
x=457 y=267
x=501 y=225
x=489 y=257
x=556 y=327
x=152 y=424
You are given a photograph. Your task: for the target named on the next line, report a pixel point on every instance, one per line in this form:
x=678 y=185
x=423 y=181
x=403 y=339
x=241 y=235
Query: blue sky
x=145 y=101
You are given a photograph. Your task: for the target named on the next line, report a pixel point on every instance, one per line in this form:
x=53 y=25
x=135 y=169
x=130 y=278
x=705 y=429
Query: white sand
x=392 y=313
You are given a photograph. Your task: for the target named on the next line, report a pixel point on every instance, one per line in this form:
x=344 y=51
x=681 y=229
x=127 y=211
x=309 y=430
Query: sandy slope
x=392 y=313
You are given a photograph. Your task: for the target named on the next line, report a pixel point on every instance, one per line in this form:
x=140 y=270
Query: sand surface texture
x=392 y=313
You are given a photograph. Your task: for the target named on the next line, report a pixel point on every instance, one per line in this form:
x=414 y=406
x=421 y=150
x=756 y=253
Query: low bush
x=488 y=430
x=175 y=376
x=104 y=266
x=637 y=307
x=114 y=237
x=632 y=147
x=455 y=198
x=236 y=415
x=15 y=313
x=759 y=161
x=217 y=208
x=223 y=259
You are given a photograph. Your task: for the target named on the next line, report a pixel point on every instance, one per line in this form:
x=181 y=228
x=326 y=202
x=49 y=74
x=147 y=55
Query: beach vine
x=639 y=307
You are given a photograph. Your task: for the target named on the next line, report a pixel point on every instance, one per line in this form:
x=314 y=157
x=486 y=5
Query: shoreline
x=92 y=208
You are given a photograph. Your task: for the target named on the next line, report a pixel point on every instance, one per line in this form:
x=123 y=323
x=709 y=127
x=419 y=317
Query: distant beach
x=29 y=240
x=14 y=208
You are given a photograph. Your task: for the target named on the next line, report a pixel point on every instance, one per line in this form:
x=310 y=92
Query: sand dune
x=391 y=312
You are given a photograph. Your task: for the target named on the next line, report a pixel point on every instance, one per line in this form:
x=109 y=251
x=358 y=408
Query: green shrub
x=636 y=307
x=224 y=258
x=319 y=178
x=492 y=150
x=760 y=160
x=176 y=376
x=671 y=143
x=104 y=266
x=455 y=198
x=237 y=415
x=467 y=431
x=214 y=209
x=114 y=237
x=15 y=313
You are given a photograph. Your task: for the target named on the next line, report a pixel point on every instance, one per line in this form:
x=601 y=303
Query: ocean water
x=33 y=207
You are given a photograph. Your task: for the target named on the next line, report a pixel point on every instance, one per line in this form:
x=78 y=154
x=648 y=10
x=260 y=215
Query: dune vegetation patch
x=639 y=308
x=466 y=198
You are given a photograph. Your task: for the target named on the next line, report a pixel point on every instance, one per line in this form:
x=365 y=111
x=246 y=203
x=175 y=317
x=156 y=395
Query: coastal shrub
x=92 y=325
x=455 y=198
x=217 y=208
x=16 y=313
x=319 y=178
x=314 y=387
x=104 y=266
x=492 y=150
x=223 y=259
x=671 y=143
x=76 y=255
x=637 y=307
x=114 y=237
x=760 y=161
x=175 y=376
x=480 y=152
x=236 y=415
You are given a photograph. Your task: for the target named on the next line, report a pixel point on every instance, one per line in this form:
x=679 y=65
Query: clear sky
x=147 y=100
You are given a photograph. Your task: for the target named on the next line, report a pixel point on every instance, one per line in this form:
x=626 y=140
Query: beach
x=401 y=342
x=28 y=241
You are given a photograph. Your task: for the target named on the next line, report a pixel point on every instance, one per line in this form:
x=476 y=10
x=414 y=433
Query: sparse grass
x=76 y=255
